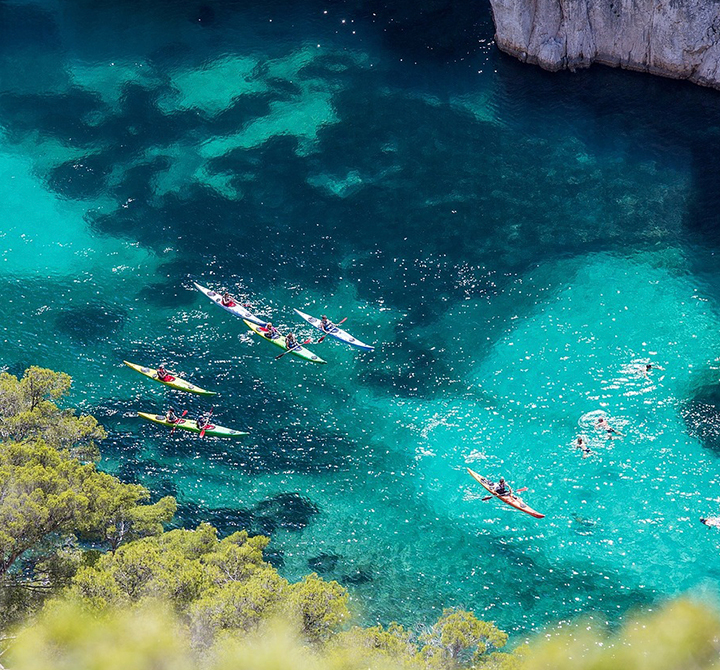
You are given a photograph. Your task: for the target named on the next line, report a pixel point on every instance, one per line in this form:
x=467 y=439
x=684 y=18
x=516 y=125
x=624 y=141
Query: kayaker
x=162 y=374
x=502 y=489
x=646 y=371
x=203 y=421
x=170 y=416
x=270 y=331
x=227 y=300
x=326 y=324
x=582 y=446
x=290 y=341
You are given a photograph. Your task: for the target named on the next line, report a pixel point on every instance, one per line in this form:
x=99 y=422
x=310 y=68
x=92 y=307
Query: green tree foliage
x=27 y=412
x=48 y=497
x=682 y=636
x=218 y=584
x=460 y=637
x=377 y=646
x=69 y=638
x=319 y=606
x=149 y=637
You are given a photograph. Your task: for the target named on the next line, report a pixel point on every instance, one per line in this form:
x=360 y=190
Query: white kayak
x=337 y=333
x=234 y=307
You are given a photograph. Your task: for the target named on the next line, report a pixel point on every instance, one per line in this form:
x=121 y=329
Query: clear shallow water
x=516 y=243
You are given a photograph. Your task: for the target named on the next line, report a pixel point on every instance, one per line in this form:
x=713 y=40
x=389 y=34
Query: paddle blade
x=207 y=422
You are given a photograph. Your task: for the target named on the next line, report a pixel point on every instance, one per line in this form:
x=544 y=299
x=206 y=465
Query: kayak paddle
x=326 y=334
x=297 y=346
x=177 y=422
x=524 y=488
x=207 y=423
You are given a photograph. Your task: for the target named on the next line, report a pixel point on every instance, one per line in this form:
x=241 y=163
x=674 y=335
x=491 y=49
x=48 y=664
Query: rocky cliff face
x=674 y=38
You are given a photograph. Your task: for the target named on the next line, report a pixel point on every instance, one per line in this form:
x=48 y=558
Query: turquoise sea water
x=517 y=245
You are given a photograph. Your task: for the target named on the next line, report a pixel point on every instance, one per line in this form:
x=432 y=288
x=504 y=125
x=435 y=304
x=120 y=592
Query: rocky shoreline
x=678 y=39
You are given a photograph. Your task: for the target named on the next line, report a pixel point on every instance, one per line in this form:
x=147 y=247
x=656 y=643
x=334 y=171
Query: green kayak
x=279 y=341
x=173 y=382
x=189 y=424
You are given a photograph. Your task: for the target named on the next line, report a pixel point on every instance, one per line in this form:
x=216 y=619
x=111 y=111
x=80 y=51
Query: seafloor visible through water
x=517 y=245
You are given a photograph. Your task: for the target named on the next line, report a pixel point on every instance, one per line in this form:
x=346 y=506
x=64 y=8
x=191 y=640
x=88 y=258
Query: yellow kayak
x=173 y=382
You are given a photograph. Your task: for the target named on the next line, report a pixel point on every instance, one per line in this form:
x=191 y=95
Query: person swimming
x=602 y=424
x=582 y=445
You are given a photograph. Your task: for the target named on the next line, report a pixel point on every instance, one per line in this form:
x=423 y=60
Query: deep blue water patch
x=90 y=323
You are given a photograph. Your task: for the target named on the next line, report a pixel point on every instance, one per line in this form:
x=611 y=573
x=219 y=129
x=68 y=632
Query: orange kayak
x=511 y=500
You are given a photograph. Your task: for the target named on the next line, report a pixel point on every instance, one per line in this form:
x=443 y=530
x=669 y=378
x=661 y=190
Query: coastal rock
x=673 y=38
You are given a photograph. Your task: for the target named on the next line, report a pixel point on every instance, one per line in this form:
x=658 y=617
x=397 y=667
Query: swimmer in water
x=580 y=444
x=602 y=424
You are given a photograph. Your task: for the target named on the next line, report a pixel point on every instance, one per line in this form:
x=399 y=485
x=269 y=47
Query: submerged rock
x=678 y=38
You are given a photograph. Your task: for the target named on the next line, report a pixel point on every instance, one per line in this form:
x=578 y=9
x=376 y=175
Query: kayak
x=279 y=341
x=337 y=333
x=511 y=500
x=234 y=308
x=712 y=521
x=173 y=382
x=189 y=424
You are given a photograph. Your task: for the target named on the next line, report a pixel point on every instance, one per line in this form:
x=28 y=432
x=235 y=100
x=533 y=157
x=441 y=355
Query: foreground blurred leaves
x=51 y=496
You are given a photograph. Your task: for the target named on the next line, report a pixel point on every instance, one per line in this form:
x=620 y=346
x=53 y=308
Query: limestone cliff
x=674 y=38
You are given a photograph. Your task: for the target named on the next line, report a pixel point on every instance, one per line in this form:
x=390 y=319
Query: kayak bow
x=189 y=424
x=173 y=382
x=511 y=500
x=279 y=341
x=234 y=308
x=337 y=333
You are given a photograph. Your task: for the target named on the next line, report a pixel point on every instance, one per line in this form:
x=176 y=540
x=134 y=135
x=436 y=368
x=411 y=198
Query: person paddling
x=227 y=300
x=270 y=331
x=501 y=488
x=290 y=341
x=646 y=371
x=203 y=421
x=162 y=374
x=326 y=325
x=583 y=447
x=170 y=416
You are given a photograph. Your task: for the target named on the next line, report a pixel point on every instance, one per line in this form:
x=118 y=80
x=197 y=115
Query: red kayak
x=511 y=500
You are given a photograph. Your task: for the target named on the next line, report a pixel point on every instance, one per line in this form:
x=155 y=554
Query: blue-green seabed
x=515 y=243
